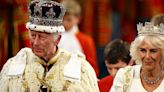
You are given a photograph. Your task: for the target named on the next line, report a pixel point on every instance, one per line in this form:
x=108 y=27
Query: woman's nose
x=147 y=55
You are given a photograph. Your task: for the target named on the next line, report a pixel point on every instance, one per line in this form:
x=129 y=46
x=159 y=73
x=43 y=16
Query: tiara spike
x=150 y=29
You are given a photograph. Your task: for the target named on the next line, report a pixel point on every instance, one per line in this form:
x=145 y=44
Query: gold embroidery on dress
x=66 y=85
x=50 y=76
x=24 y=82
x=128 y=78
x=43 y=82
x=25 y=86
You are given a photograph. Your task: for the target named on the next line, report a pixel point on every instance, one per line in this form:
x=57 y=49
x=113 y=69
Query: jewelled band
x=150 y=29
x=45 y=22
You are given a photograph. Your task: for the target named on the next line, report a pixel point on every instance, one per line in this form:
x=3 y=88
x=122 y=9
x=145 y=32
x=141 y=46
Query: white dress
x=135 y=84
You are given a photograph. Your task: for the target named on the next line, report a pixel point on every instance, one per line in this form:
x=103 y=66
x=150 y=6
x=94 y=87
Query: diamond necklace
x=153 y=81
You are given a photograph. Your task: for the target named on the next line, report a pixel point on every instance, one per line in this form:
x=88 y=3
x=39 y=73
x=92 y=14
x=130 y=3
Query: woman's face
x=149 y=55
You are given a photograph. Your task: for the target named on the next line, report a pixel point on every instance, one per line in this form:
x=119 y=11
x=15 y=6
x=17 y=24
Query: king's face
x=42 y=44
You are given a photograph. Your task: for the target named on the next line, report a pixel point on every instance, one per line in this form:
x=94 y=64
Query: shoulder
x=20 y=55
x=129 y=68
x=81 y=56
x=85 y=65
x=87 y=69
x=16 y=64
x=127 y=71
x=23 y=52
x=123 y=74
x=124 y=77
x=63 y=54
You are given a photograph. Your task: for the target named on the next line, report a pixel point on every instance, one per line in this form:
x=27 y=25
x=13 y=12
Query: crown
x=44 y=14
x=150 y=29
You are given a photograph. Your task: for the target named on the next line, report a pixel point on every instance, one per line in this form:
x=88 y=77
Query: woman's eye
x=142 y=50
x=153 y=50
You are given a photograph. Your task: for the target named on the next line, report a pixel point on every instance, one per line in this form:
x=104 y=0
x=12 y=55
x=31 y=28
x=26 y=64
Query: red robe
x=105 y=84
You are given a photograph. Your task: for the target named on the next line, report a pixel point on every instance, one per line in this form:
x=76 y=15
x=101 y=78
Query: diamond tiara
x=150 y=29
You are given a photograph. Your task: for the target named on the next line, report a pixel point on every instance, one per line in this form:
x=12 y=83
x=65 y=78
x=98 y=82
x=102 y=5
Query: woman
x=148 y=52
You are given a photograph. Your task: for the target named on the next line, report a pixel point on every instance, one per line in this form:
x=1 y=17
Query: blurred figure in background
x=117 y=56
x=13 y=33
x=158 y=19
x=74 y=40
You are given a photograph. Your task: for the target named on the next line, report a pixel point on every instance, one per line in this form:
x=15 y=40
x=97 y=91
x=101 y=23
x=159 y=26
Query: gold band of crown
x=150 y=29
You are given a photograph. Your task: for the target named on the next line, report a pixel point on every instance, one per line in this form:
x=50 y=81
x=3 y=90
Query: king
x=44 y=67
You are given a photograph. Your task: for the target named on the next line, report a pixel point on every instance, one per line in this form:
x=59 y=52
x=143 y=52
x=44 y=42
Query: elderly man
x=44 y=67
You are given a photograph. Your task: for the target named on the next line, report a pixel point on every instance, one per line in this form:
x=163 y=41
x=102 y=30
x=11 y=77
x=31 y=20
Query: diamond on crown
x=150 y=29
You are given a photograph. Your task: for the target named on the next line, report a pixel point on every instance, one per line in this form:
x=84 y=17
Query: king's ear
x=57 y=40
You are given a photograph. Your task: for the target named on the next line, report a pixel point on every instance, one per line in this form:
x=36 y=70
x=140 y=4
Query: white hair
x=154 y=40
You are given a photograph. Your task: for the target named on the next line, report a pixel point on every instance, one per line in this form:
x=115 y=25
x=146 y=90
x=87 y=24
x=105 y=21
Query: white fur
x=48 y=29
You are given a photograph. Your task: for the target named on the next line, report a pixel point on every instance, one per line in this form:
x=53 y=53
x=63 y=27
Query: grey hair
x=155 y=40
x=56 y=35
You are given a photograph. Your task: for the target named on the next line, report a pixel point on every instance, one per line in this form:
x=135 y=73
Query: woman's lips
x=148 y=62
